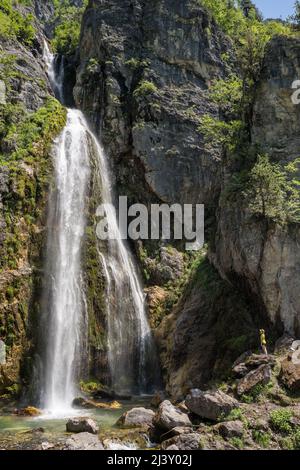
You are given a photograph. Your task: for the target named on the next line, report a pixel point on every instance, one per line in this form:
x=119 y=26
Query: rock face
x=169 y=417
x=261 y=255
x=143 y=77
x=82 y=425
x=83 y=441
x=210 y=405
x=137 y=417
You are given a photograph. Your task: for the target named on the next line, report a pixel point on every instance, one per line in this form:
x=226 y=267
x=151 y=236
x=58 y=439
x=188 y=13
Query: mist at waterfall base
x=132 y=358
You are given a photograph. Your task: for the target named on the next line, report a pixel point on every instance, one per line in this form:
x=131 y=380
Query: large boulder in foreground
x=83 y=441
x=169 y=417
x=82 y=425
x=136 y=418
x=210 y=405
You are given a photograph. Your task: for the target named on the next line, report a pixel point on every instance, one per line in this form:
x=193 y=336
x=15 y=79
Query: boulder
x=283 y=344
x=211 y=404
x=260 y=376
x=231 y=429
x=136 y=418
x=248 y=362
x=169 y=417
x=82 y=425
x=189 y=441
x=29 y=411
x=290 y=371
x=175 y=432
x=83 y=441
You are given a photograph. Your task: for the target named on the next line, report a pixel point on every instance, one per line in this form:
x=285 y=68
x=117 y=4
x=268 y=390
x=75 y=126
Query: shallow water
x=106 y=419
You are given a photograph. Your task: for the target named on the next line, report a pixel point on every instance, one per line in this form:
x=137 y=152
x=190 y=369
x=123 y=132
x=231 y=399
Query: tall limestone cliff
x=255 y=251
x=145 y=68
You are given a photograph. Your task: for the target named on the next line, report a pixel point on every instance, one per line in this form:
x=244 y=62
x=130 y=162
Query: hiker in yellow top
x=263 y=341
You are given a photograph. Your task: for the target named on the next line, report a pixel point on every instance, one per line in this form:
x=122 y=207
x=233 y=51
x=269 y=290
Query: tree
x=295 y=18
x=273 y=191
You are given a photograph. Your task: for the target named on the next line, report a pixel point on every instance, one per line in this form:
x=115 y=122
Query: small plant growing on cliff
x=145 y=88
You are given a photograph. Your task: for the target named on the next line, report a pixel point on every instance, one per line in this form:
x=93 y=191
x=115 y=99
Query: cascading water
x=64 y=303
x=131 y=352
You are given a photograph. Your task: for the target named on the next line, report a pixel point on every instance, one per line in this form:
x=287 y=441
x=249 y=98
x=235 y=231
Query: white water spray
x=131 y=352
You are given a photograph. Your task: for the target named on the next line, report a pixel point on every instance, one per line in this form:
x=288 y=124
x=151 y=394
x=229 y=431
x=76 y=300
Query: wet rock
x=137 y=417
x=82 y=425
x=260 y=376
x=231 y=429
x=107 y=394
x=83 y=441
x=169 y=417
x=189 y=441
x=90 y=404
x=29 y=411
x=211 y=404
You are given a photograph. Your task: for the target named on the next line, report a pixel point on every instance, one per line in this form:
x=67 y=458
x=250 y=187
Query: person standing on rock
x=263 y=341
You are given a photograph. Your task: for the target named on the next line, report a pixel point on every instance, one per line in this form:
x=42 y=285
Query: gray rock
x=262 y=376
x=183 y=442
x=175 y=432
x=211 y=404
x=83 y=441
x=231 y=429
x=82 y=425
x=169 y=417
x=251 y=362
x=137 y=417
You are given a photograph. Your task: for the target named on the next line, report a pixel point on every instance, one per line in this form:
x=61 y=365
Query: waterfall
x=131 y=352
x=132 y=356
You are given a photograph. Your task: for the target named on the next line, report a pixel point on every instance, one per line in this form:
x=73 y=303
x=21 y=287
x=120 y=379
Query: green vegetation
x=281 y=420
x=262 y=438
x=273 y=191
x=27 y=138
x=90 y=387
x=257 y=394
x=14 y=24
x=68 y=24
x=145 y=88
x=237 y=442
x=29 y=135
x=263 y=186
